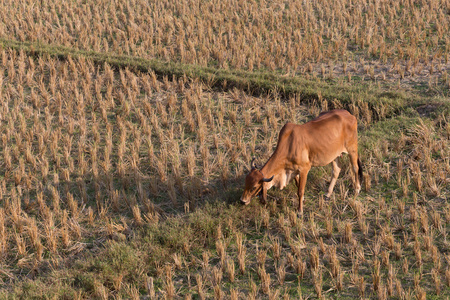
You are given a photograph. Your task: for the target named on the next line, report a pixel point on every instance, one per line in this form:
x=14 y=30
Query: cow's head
x=254 y=184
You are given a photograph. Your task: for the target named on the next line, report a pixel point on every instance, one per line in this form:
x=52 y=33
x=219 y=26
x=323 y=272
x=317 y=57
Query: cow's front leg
x=301 y=189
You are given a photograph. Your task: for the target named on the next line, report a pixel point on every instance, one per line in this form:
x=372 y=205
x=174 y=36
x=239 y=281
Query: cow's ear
x=253 y=165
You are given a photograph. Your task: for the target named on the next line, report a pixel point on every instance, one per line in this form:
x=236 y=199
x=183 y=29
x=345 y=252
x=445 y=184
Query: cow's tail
x=360 y=170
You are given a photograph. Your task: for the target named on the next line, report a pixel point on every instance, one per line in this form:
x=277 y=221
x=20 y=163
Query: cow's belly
x=325 y=159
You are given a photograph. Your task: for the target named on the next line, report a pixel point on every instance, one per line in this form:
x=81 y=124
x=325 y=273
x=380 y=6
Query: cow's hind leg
x=334 y=177
x=357 y=169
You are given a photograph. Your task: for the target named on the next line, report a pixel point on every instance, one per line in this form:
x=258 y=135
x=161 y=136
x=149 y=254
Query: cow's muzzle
x=245 y=202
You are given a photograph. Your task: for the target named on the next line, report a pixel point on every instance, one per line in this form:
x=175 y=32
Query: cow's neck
x=276 y=164
x=272 y=166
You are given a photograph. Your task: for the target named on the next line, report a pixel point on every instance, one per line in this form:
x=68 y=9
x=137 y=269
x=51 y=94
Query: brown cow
x=300 y=147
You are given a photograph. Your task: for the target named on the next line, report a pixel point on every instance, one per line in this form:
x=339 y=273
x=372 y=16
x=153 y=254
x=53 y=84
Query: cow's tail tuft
x=360 y=170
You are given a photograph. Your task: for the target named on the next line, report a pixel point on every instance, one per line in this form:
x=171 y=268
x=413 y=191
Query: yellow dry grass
x=405 y=40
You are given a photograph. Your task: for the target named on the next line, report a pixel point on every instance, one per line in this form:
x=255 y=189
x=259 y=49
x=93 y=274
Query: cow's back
x=327 y=136
x=335 y=122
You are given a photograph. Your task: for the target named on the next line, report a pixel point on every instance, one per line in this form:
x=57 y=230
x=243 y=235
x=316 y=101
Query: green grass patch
x=259 y=82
